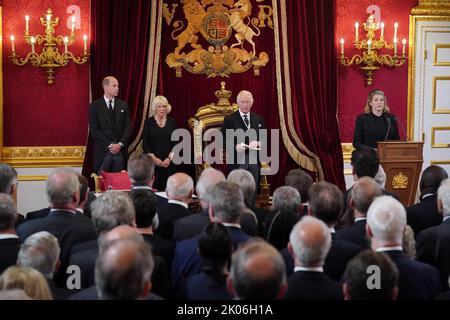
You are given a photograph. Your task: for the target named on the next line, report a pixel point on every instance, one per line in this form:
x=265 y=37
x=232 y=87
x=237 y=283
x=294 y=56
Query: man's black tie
x=246 y=120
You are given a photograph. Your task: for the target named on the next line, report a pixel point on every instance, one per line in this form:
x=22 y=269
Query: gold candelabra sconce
x=49 y=58
x=371 y=60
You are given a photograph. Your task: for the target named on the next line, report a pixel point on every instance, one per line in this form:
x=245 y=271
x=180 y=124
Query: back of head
x=364 y=191
x=40 y=251
x=365 y=162
x=300 y=180
x=365 y=265
x=179 y=186
x=29 y=280
x=325 y=202
x=244 y=179
x=123 y=270
x=444 y=197
x=8 y=213
x=62 y=186
x=286 y=199
x=257 y=272
x=207 y=181
x=145 y=206
x=8 y=178
x=111 y=209
x=227 y=202
x=386 y=218
x=310 y=241
x=141 y=169
x=84 y=187
x=431 y=179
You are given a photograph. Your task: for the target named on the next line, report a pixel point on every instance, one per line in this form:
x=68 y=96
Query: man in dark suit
x=226 y=205
x=63 y=191
x=364 y=191
x=9 y=241
x=433 y=244
x=310 y=241
x=386 y=222
x=241 y=144
x=180 y=189
x=425 y=214
x=110 y=127
x=8 y=185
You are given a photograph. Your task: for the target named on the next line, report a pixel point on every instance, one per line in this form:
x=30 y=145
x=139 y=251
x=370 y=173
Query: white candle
x=342 y=46
x=369 y=43
x=33 y=40
x=404 y=47
x=382 y=30
x=48 y=21
x=85 y=43
x=12 y=43
x=395 y=46
x=395 y=30
x=27 y=20
x=73 y=24
x=356 y=30
x=66 y=41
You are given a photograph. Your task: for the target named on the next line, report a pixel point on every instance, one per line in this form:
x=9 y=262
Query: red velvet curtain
x=119 y=47
x=313 y=75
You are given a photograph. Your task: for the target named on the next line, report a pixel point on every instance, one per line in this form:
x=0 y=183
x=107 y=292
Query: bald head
x=180 y=187
x=310 y=241
x=364 y=191
x=63 y=188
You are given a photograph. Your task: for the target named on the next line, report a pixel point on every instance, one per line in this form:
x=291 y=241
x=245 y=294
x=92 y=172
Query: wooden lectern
x=402 y=162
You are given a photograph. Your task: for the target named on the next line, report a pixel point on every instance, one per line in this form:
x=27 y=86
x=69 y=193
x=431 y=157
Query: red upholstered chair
x=112 y=181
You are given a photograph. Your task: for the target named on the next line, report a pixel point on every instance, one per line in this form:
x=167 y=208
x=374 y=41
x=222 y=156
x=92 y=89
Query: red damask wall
x=352 y=90
x=35 y=113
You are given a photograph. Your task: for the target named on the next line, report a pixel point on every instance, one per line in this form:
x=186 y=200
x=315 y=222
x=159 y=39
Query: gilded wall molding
x=431 y=8
x=44 y=157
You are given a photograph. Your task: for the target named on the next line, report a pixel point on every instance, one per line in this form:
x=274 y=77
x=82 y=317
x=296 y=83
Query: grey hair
x=310 y=252
x=286 y=199
x=116 y=280
x=40 y=251
x=444 y=196
x=180 y=190
x=244 y=179
x=227 y=201
x=62 y=184
x=8 y=212
x=208 y=179
x=387 y=219
x=364 y=191
x=248 y=283
x=160 y=100
x=8 y=176
x=112 y=209
x=141 y=169
x=244 y=93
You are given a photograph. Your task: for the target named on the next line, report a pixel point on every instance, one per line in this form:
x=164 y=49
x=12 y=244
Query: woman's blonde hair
x=368 y=108
x=158 y=100
x=32 y=282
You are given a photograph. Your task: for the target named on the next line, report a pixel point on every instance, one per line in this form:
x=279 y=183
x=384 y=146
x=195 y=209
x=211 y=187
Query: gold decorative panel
x=44 y=157
x=437 y=62
x=347 y=149
x=433 y=137
x=400 y=181
x=440 y=109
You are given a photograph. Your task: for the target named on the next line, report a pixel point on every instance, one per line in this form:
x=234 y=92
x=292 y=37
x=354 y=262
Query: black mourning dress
x=370 y=129
x=157 y=140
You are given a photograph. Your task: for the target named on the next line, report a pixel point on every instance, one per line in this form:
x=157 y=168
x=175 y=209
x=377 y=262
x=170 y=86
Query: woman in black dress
x=157 y=140
x=376 y=124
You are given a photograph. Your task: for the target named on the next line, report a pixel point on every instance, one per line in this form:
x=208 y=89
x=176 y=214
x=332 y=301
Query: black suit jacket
x=68 y=228
x=9 y=248
x=417 y=280
x=368 y=133
x=167 y=216
x=100 y=127
x=356 y=234
x=309 y=285
x=234 y=121
x=41 y=213
x=424 y=214
x=433 y=247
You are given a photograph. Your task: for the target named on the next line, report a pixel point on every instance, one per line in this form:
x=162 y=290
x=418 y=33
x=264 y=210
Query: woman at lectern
x=376 y=123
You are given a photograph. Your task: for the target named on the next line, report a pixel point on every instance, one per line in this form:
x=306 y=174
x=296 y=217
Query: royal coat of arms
x=219 y=23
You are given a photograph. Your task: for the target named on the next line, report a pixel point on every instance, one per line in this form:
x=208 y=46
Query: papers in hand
x=247 y=146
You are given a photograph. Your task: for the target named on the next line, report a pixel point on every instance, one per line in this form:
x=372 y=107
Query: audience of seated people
x=122 y=255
